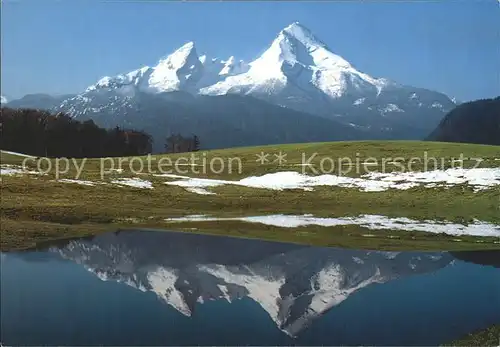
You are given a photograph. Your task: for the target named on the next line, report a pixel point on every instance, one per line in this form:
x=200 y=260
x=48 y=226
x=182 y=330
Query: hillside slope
x=37 y=101
x=219 y=121
x=472 y=122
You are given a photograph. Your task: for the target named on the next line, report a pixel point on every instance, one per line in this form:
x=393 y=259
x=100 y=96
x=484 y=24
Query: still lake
x=167 y=288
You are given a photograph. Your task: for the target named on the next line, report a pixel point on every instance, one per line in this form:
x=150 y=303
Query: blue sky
x=61 y=47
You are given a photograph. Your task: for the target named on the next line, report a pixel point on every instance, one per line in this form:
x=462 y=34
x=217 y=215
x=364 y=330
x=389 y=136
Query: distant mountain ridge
x=38 y=101
x=219 y=121
x=296 y=72
x=471 y=122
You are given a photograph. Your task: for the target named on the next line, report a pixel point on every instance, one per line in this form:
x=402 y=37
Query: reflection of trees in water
x=487 y=257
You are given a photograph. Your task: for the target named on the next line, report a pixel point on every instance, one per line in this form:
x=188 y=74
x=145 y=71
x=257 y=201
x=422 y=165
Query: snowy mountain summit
x=297 y=72
x=183 y=70
x=296 y=58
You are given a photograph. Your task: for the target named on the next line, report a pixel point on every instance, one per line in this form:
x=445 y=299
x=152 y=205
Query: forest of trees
x=471 y=122
x=177 y=144
x=40 y=133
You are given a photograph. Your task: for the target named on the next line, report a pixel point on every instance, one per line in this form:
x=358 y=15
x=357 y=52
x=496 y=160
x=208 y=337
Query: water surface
x=162 y=288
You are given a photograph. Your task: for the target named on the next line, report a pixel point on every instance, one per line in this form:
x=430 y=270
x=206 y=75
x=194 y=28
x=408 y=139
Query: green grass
x=38 y=208
x=486 y=337
x=295 y=153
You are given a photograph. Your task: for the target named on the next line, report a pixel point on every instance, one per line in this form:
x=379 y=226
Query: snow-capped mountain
x=293 y=284
x=300 y=71
x=297 y=71
x=297 y=60
x=183 y=70
x=3 y=99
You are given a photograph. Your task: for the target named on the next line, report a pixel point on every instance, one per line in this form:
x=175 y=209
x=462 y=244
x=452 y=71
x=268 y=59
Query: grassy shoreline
x=38 y=208
x=23 y=235
x=486 y=337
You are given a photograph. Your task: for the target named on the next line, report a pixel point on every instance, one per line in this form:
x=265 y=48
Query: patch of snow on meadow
x=10 y=170
x=81 y=182
x=134 y=182
x=196 y=185
x=373 y=222
x=200 y=191
x=169 y=176
x=481 y=178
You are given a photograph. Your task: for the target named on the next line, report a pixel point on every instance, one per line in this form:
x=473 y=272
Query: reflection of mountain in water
x=293 y=283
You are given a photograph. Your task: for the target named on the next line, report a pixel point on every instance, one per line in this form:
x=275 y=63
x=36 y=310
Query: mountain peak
x=181 y=69
x=297 y=29
x=187 y=48
x=302 y=34
x=297 y=44
x=181 y=55
x=296 y=26
x=188 y=45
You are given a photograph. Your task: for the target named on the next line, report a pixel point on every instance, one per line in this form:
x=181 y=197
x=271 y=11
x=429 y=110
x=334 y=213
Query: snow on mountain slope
x=293 y=284
x=297 y=71
x=132 y=78
x=298 y=58
x=233 y=67
x=182 y=70
x=3 y=99
x=300 y=71
x=179 y=71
